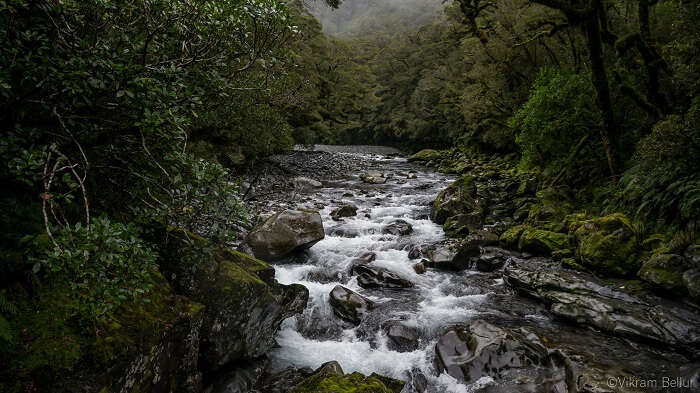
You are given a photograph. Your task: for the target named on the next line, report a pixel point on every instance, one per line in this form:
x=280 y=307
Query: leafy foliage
x=105 y=267
x=558 y=114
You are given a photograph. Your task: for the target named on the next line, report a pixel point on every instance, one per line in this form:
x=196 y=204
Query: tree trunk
x=602 y=89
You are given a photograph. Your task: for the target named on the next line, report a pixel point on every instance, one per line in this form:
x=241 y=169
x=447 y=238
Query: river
x=439 y=299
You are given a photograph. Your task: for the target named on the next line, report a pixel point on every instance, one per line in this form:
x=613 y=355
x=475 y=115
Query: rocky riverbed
x=390 y=293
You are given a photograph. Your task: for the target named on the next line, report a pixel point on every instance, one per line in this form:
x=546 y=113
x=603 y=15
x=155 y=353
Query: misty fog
x=359 y=17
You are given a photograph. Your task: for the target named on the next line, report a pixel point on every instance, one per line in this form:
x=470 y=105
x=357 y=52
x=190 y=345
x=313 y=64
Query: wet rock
x=584 y=299
x=541 y=242
x=402 y=337
x=492 y=259
x=449 y=255
x=419 y=267
x=305 y=184
x=284 y=233
x=414 y=252
x=516 y=359
x=368 y=257
x=458 y=198
x=344 y=211
x=373 y=177
x=398 y=228
x=411 y=175
x=461 y=224
x=349 y=305
x=377 y=277
x=344 y=231
x=607 y=245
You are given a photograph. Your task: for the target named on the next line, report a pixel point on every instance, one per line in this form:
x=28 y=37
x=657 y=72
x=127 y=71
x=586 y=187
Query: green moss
x=249 y=263
x=540 y=241
x=665 y=271
x=509 y=239
x=351 y=383
x=608 y=245
x=457 y=198
x=426 y=155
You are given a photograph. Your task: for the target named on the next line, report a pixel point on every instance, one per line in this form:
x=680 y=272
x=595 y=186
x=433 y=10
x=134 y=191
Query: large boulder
x=608 y=245
x=583 y=299
x=244 y=304
x=372 y=277
x=284 y=233
x=344 y=211
x=518 y=360
x=398 y=228
x=448 y=255
x=665 y=271
x=348 y=305
x=458 y=198
x=461 y=224
x=402 y=336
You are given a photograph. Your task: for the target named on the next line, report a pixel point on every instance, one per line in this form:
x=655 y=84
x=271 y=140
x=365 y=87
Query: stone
x=491 y=260
x=449 y=255
x=373 y=177
x=541 y=242
x=691 y=280
x=305 y=184
x=341 y=383
x=402 y=337
x=458 y=198
x=419 y=267
x=414 y=252
x=344 y=211
x=348 y=305
x=371 y=277
x=517 y=359
x=584 y=299
x=607 y=245
x=461 y=224
x=284 y=233
x=398 y=228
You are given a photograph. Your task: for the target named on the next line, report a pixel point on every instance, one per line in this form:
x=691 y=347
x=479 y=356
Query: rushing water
x=438 y=299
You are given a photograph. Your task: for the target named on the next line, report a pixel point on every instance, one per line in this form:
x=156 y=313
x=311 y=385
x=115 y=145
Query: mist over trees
x=363 y=17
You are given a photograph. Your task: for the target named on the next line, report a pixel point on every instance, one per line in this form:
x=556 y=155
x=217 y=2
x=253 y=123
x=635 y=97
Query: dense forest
x=126 y=125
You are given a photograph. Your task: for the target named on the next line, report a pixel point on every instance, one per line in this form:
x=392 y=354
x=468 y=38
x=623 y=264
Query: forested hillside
x=127 y=125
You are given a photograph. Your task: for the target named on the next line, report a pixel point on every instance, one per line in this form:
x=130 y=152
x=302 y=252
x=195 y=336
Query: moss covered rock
x=425 y=155
x=541 y=242
x=608 y=245
x=458 y=198
x=461 y=224
x=509 y=239
x=665 y=271
x=350 y=383
x=244 y=304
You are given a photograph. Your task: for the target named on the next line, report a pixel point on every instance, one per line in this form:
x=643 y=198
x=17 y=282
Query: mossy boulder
x=608 y=245
x=425 y=155
x=509 y=239
x=458 y=198
x=244 y=304
x=334 y=381
x=541 y=242
x=284 y=233
x=665 y=271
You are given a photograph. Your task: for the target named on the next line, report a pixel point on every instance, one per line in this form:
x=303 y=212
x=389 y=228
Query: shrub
x=558 y=114
x=105 y=266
